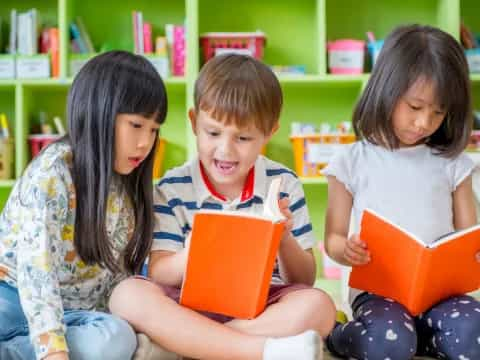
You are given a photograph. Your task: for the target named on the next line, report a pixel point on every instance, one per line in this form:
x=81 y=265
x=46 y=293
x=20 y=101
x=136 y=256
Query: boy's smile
x=226 y=151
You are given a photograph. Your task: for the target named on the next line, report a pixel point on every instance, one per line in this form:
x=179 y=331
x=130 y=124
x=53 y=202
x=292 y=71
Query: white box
x=161 y=64
x=33 y=67
x=7 y=66
x=77 y=61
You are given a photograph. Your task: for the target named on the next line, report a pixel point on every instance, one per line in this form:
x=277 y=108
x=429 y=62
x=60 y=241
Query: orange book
x=54 y=52
x=231 y=259
x=407 y=270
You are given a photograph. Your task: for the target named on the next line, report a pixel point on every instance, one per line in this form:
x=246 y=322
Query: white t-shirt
x=411 y=186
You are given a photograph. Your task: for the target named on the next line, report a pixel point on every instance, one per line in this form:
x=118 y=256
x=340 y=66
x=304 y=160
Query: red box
x=39 y=141
x=250 y=43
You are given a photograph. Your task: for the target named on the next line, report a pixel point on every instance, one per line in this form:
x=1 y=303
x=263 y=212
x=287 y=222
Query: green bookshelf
x=297 y=33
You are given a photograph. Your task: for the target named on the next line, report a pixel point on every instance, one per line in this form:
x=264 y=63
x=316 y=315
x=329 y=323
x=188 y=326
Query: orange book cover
x=231 y=259
x=407 y=270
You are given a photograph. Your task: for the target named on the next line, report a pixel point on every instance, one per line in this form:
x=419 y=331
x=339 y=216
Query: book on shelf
x=231 y=259
x=408 y=270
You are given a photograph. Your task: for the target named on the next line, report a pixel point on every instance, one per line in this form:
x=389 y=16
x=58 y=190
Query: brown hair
x=410 y=53
x=241 y=90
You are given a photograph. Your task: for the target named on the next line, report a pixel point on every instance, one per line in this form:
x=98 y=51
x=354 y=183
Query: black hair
x=411 y=53
x=113 y=83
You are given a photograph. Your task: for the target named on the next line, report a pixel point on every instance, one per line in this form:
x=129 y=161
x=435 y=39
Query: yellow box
x=158 y=159
x=6 y=158
x=312 y=152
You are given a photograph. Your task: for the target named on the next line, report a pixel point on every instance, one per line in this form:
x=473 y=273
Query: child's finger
x=283 y=203
x=357 y=248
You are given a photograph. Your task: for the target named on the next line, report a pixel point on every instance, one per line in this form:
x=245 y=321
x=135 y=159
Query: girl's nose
x=422 y=121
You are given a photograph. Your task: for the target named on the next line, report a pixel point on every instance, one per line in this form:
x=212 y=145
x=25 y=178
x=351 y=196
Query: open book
x=407 y=270
x=231 y=259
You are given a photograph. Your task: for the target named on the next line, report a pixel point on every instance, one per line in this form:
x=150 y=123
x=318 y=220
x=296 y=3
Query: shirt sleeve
x=168 y=233
x=302 y=229
x=44 y=204
x=458 y=169
x=340 y=167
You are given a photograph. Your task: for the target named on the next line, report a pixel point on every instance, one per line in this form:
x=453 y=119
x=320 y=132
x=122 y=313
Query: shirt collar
x=255 y=185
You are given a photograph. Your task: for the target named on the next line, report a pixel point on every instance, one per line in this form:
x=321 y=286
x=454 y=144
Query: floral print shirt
x=37 y=253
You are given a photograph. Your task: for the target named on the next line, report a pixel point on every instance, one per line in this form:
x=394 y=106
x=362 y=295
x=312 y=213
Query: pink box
x=346 y=56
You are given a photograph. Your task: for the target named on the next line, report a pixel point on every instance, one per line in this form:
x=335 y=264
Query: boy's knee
x=317 y=312
x=128 y=295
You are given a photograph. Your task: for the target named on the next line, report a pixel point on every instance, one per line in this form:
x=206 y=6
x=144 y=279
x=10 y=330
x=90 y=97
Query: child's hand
x=356 y=252
x=283 y=205
x=477 y=256
x=186 y=249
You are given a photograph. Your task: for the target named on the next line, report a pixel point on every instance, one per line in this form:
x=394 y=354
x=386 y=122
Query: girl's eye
x=244 y=138
x=135 y=125
x=154 y=131
x=413 y=107
x=213 y=133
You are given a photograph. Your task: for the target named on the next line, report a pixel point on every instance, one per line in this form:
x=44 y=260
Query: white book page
x=398 y=227
x=446 y=238
x=270 y=207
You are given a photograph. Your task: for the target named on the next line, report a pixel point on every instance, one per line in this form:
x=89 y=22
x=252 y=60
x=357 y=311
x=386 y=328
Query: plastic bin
x=39 y=141
x=346 y=56
x=249 y=43
x=312 y=152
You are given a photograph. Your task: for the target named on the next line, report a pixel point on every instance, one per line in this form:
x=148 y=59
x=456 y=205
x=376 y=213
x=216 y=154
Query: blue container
x=473 y=59
x=374 y=49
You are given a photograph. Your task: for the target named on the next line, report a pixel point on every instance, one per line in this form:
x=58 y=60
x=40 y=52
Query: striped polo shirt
x=185 y=190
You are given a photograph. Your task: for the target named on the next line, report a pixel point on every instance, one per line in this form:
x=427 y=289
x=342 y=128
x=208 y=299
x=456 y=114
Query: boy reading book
x=223 y=242
x=237 y=107
x=436 y=271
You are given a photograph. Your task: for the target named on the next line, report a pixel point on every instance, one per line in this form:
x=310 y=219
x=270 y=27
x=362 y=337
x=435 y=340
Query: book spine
x=169 y=36
x=54 y=52
x=13 y=32
x=274 y=236
x=85 y=36
x=141 y=49
x=178 y=50
x=135 y=32
x=147 y=38
x=419 y=282
x=78 y=38
x=34 y=31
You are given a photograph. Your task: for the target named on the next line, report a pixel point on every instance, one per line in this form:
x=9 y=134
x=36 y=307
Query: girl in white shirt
x=414 y=121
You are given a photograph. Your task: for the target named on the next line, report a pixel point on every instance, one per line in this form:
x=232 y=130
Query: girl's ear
x=192 y=115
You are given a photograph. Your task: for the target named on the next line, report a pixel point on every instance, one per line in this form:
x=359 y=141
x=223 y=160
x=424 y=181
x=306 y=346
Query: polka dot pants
x=382 y=329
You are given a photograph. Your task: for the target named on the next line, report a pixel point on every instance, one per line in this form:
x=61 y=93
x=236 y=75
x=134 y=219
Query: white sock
x=306 y=346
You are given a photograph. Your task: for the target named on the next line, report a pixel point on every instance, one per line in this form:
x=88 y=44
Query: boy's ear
x=274 y=130
x=192 y=115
